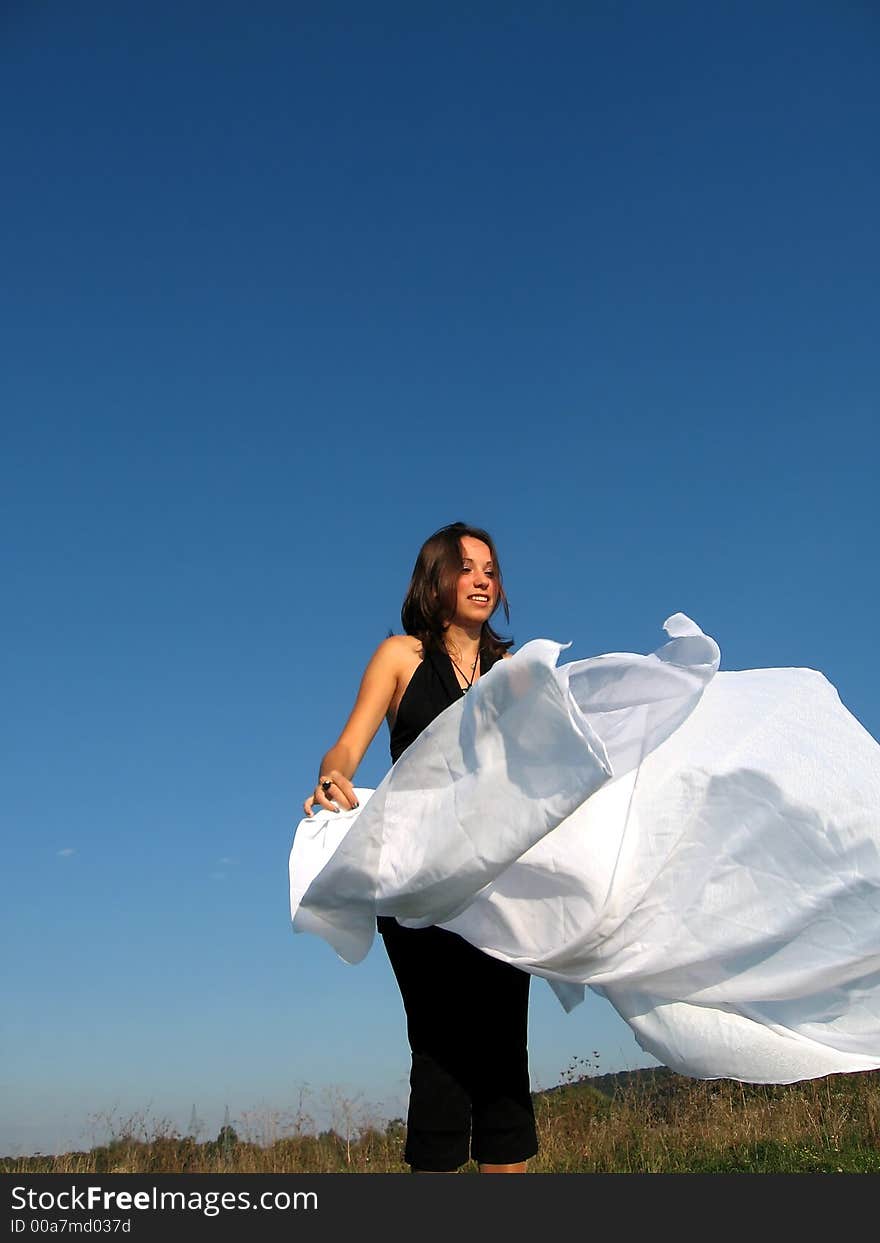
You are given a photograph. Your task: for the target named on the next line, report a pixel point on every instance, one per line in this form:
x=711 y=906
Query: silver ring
x=325 y=785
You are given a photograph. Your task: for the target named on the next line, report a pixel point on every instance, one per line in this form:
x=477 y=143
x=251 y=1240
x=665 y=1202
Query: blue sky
x=287 y=287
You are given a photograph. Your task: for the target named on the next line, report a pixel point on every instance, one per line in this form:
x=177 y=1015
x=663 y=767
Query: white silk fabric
x=700 y=848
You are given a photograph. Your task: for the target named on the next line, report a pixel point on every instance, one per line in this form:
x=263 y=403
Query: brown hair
x=430 y=598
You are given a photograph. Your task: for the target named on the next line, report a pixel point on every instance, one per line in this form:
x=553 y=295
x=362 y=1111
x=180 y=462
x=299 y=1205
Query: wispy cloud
x=66 y=852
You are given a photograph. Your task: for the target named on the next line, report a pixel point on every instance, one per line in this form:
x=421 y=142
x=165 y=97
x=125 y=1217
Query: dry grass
x=665 y=1123
x=647 y=1122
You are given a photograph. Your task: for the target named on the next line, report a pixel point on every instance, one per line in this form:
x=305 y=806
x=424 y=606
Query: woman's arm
x=373 y=701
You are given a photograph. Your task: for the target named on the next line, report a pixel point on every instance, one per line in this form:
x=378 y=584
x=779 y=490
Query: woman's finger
x=324 y=800
x=341 y=790
x=318 y=799
x=347 y=792
x=340 y=795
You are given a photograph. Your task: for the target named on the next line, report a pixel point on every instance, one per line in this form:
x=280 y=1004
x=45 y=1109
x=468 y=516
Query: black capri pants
x=467 y=1021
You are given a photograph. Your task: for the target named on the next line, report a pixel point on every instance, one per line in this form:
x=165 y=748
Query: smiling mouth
x=479 y=599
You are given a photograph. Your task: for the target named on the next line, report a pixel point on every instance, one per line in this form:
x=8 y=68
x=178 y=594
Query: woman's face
x=477 y=591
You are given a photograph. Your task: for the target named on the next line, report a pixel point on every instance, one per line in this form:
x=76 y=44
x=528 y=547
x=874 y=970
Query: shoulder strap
x=443 y=668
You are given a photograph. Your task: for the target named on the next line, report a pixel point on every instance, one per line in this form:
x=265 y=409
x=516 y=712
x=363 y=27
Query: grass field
x=649 y=1121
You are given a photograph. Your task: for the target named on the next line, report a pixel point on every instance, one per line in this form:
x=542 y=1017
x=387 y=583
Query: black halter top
x=432 y=688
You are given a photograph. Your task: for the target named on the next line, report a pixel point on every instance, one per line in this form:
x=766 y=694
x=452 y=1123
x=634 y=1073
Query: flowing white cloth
x=701 y=848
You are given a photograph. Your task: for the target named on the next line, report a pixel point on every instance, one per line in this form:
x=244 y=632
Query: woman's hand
x=333 y=792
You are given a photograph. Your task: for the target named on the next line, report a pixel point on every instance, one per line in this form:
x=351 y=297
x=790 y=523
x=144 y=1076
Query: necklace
x=468 y=680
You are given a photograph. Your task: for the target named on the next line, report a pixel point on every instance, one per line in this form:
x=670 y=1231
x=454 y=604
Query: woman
x=467 y=1013
x=700 y=847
